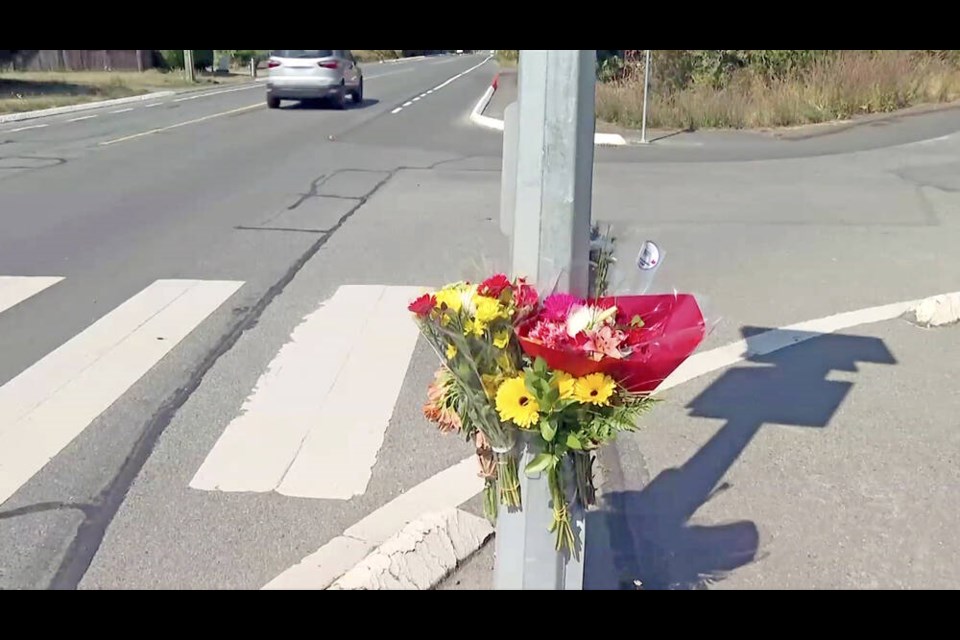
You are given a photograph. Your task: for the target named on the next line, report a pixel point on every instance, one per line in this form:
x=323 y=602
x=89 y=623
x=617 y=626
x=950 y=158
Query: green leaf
x=636 y=322
x=573 y=442
x=540 y=366
x=539 y=463
x=548 y=430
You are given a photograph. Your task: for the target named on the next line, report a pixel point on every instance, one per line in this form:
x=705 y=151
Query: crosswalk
x=316 y=420
x=44 y=408
x=312 y=426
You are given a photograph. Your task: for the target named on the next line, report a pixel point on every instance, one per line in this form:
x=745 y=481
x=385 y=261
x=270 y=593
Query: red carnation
x=525 y=296
x=423 y=305
x=493 y=286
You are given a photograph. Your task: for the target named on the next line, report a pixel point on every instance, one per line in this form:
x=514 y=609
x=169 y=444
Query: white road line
x=337 y=458
x=440 y=86
x=16 y=289
x=457 y=484
x=33 y=126
x=181 y=124
x=208 y=94
x=155 y=104
x=123 y=110
x=460 y=75
x=83 y=118
x=448 y=489
x=195 y=121
x=44 y=408
x=314 y=401
x=706 y=362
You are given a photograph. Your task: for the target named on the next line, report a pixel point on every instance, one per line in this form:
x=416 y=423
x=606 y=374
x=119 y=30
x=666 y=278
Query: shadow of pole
x=646 y=535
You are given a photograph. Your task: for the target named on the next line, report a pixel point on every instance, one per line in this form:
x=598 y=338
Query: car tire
x=273 y=102
x=357 y=94
x=339 y=101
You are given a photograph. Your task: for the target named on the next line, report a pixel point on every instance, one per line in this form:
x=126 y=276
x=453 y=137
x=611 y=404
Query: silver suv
x=313 y=74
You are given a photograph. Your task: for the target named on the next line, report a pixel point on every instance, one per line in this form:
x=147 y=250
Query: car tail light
x=329 y=65
x=273 y=64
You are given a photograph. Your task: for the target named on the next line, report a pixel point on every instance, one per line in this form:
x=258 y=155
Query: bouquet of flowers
x=568 y=373
x=472 y=329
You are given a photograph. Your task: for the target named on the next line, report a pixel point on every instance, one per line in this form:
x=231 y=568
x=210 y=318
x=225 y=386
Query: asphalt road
x=196 y=365
x=212 y=187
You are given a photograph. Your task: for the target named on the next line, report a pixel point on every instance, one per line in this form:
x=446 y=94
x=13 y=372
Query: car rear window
x=303 y=53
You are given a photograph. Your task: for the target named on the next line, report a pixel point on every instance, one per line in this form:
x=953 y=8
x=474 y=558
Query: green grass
x=29 y=91
x=833 y=87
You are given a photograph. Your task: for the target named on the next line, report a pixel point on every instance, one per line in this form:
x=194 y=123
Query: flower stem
x=561 y=524
x=508 y=479
x=583 y=467
x=490 y=501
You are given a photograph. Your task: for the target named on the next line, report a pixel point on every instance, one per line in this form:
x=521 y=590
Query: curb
x=938 y=311
x=420 y=555
x=477 y=117
x=87 y=106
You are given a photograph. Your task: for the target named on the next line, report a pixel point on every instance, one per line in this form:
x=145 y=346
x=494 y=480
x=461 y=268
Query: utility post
x=551 y=245
x=646 y=91
x=188 y=65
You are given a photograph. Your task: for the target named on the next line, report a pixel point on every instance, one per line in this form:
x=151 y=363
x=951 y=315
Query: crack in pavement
x=86 y=542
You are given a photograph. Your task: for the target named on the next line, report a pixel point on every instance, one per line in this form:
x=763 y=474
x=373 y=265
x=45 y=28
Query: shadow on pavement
x=324 y=105
x=646 y=535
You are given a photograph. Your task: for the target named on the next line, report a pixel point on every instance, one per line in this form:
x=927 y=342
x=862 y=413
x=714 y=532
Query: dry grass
x=837 y=88
x=376 y=55
x=31 y=90
x=508 y=57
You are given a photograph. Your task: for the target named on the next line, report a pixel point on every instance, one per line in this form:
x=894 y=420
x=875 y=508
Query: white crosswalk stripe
x=312 y=427
x=16 y=289
x=48 y=405
x=316 y=420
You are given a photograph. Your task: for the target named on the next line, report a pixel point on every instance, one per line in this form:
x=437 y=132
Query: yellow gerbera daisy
x=566 y=383
x=595 y=388
x=516 y=404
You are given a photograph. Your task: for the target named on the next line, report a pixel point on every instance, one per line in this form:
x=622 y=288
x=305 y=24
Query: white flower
x=586 y=317
x=578 y=320
x=466 y=299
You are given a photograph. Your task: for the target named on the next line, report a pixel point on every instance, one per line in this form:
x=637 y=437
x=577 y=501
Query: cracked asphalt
x=300 y=201
x=253 y=196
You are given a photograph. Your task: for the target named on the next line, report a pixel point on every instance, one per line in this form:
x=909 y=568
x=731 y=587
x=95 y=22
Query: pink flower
x=605 y=341
x=557 y=306
x=553 y=335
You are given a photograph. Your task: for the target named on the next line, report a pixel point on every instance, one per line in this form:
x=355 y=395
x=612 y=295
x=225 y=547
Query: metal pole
x=188 y=65
x=646 y=90
x=508 y=173
x=551 y=245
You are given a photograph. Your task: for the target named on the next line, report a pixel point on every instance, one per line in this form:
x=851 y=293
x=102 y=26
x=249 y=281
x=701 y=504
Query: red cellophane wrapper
x=673 y=326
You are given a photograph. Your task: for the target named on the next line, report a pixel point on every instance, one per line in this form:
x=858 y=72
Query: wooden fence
x=84 y=60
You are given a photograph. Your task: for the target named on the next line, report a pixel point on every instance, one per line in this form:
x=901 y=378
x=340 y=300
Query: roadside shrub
x=173 y=58
x=771 y=88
